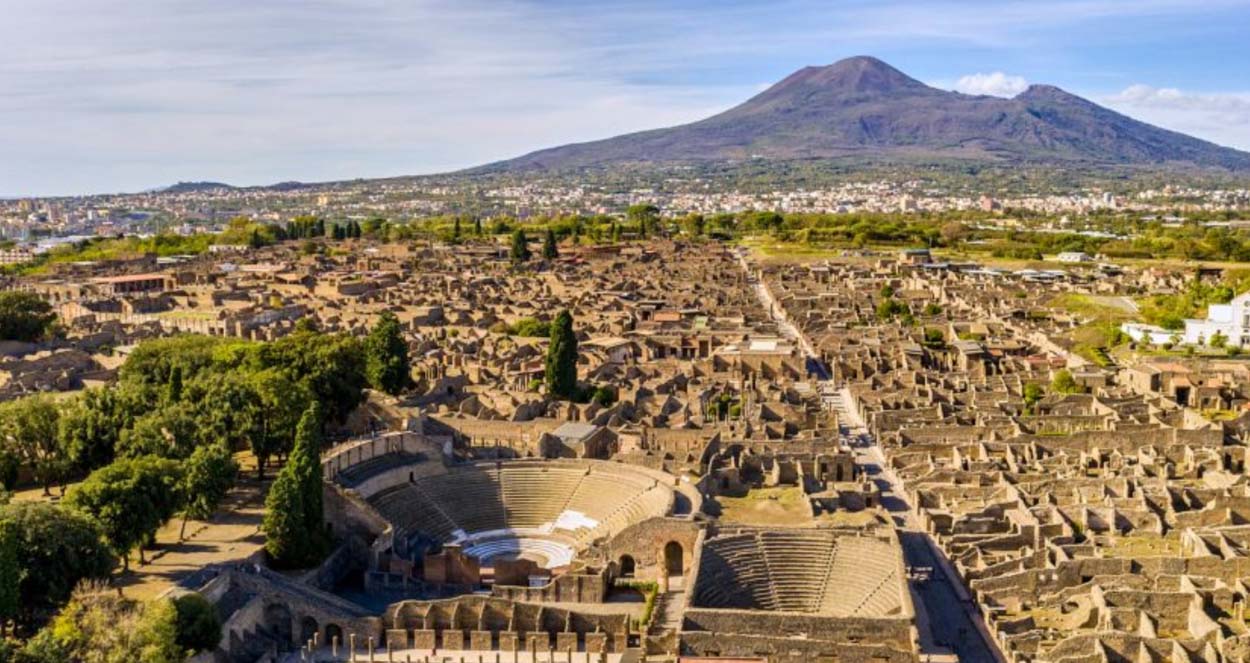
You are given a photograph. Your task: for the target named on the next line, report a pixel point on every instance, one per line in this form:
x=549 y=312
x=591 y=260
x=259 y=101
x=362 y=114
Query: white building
x=1231 y=320
x=1074 y=256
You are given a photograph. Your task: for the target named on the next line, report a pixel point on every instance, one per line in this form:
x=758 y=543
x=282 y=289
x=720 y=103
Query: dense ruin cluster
x=873 y=458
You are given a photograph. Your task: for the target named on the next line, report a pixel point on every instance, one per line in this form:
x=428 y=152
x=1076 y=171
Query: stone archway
x=674 y=562
x=279 y=622
x=307 y=629
x=627 y=566
x=334 y=636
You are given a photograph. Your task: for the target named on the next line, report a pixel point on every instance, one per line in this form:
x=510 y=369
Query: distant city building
x=15 y=255
x=1230 y=321
x=1075 y=257
x=915 y=256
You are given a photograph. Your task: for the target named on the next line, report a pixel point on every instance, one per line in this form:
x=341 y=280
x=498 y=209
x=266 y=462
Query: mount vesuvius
x=863 y=107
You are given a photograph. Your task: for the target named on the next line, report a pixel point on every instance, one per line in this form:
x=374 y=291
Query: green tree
x=561 y=364
x=520 y=252
x=98 y=625
x=1064 y=383
x=210 y=474
x=10 y=575
x=644 y=215
x=330 y=366
x=129 y=499
x=56 y=548
x=455 y=230
x=28 y=431
x=199 y=628
x=173 y=388
x=550 y=250
x=171 y=432
x=9 y=470
x=1032 y=395
x=294 y=521
x=24 y=316
x=282 y=403
x=386 y=356
x=91 y=425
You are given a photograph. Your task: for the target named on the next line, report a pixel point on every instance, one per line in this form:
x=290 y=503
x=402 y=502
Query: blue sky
x=125 y=95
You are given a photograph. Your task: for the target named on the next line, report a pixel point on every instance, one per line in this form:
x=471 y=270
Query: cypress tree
x=520 y=247
x=173 y=390
x=477 y=226
x=561 y=365
x=550 y=251
x=294 y=512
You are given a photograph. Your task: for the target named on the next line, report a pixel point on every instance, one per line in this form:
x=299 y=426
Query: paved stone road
x=947 y=620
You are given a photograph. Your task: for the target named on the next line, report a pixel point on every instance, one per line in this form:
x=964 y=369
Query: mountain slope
x=863 y=107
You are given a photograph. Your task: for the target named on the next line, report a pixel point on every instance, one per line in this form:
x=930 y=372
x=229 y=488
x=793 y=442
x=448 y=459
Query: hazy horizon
x=107 y=97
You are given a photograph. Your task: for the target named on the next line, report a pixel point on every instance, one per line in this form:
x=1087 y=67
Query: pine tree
x=455 y=230
x=520 y=247
x=477 y=226
x=561 y=365
x=550 y=251
x=386 y=356
x=294 y=522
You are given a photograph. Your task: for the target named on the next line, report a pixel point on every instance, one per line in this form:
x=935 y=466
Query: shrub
x=199 y=628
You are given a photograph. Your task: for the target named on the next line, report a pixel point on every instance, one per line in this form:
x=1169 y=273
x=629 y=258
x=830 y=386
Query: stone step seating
x=634 y=508
x=535 y=496
x=407 y=507
x=799 y=563
x=552 y=554
x=474 y=498
x=882 y=600
x=733 y=574
x=800 y=571
x=863 y=579
x=587 y=503
x=599 y=494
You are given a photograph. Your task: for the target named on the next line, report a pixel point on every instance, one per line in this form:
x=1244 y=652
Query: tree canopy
x=24 y=316
x=386 y=356
x=55 y=548
x=130 y=499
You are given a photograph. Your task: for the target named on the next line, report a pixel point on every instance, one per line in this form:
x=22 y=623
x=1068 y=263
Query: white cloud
x=1222 y=118
x=996 y=84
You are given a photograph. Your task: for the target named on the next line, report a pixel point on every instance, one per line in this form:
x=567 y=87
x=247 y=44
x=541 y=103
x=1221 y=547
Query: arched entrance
x=627 y=566
x=673 y=562
x=278 y=622
x=307 y=629
x=334 y=635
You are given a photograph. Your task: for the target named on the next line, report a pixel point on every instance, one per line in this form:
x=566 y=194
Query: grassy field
x=785 y=505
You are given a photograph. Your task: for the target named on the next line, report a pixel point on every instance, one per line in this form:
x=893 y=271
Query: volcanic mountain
x=863 y=107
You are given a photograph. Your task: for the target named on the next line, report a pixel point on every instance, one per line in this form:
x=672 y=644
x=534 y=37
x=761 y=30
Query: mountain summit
x=863 y=107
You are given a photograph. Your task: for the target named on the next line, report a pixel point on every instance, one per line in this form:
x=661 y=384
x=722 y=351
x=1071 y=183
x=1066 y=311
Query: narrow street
x=945 y=616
